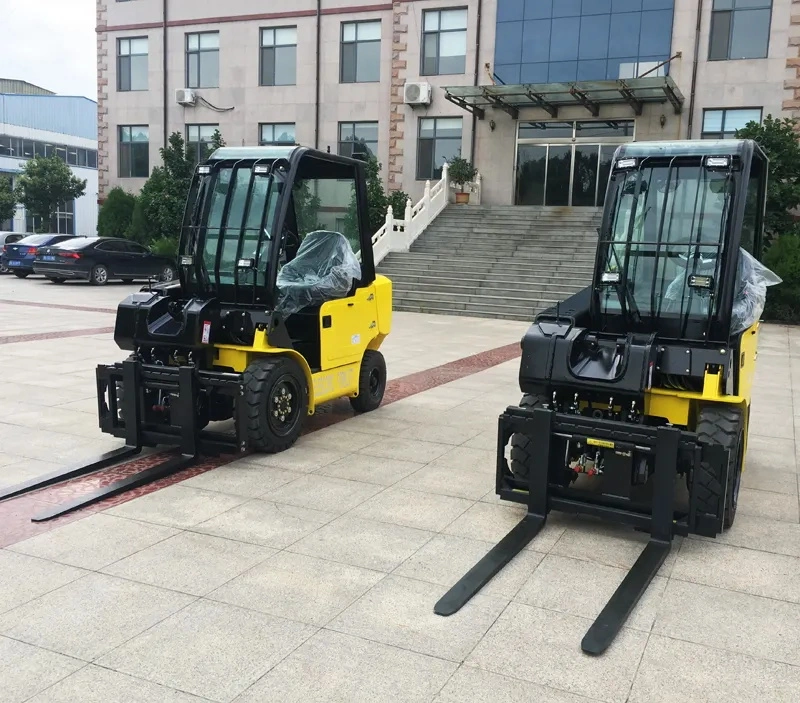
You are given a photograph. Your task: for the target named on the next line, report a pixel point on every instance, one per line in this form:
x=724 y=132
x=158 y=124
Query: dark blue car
x=18 y=257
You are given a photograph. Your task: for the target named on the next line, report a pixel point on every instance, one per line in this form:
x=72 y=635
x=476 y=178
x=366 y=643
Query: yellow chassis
x=358 y=323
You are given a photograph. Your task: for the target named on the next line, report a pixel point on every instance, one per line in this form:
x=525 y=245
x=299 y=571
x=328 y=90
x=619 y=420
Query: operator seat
x=324 y=268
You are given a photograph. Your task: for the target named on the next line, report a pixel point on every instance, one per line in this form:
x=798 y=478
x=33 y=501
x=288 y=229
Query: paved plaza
x=311 y=575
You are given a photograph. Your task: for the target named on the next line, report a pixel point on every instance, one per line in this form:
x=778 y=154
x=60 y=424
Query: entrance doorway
x=567 y=163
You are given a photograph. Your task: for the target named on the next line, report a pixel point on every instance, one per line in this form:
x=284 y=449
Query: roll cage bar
x=254 y=277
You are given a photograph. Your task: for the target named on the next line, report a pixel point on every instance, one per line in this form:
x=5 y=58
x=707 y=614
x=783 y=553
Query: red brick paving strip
x=15 y=514
x=43 y=336
x=57 y=306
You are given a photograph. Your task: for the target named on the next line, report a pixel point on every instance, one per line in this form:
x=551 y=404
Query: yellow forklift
x=636 y=402
x=277 y=310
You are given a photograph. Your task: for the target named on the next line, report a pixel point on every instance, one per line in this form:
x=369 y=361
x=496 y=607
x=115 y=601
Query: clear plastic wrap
x=324 y=269
x=752 y=280
x=750 y=294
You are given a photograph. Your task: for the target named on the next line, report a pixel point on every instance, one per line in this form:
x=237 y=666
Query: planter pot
x=462 y=198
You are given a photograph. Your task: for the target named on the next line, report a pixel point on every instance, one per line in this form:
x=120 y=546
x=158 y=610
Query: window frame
x=725 y=110
x=121 y=145
x=356 y=42
x=353 y=123
x=275 y=125
x=715 y=14
x=199 y=51
x=262 y=48
x=420 y=139
x=199 y=126
x=129 y=56
x=437 y=33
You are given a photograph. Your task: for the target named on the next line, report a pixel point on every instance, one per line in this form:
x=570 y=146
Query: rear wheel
x=725 y=427
x=523 y=452
x=22 y=274
x=371 y=382
x=99 y=275
x=55 y=279
x=276 y=396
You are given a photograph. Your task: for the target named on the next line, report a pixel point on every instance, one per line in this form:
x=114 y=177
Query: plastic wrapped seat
x=324 y=269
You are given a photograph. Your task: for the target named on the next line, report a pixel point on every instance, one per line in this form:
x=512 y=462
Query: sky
x=51 y=43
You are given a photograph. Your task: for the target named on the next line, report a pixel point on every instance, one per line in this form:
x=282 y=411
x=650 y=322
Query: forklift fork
x=188 y=446
x=539 y=424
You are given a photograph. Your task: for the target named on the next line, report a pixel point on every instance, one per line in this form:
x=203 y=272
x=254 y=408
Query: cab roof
x=693 y=147
x=232 y=153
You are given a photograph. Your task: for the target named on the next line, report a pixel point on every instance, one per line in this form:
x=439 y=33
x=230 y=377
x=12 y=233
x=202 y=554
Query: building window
x=358 y=138
x=28 y=148
x=361 y=52
x=273 y=134
x=202 y=60
x=62 y=221
x=198 y=141
x=444 y=42
x=439 y=141
x=740 y=29
x=279 y=56
x=723 y=124
x=132 y=64
x=134 y=151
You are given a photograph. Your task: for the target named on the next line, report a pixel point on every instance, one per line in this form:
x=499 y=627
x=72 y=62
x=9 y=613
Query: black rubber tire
x=264 y=380
x=93 y=276
x=22 y=274
x=523 y=452
x=371 y=382
x=53 y=279
x=168 y=274
x=723 y=426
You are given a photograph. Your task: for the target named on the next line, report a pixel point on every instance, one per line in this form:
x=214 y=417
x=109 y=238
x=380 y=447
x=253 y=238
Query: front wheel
x=99 y=276
x=54 y=279
x=371 y=382
x=523 y=451
x=714 y=491
x=276 y=395
x=22 y=274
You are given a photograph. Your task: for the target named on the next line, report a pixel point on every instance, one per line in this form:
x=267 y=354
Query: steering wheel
x=707 y=258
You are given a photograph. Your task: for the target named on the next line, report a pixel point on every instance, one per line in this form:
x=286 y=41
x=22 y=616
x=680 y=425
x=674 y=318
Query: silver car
x=8 y=238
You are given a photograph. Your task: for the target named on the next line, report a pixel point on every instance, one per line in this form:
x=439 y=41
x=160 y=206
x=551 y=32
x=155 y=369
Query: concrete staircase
x=493 y=261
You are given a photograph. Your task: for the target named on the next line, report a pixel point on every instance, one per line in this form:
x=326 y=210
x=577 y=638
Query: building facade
x=537 y=93
x=39 y=123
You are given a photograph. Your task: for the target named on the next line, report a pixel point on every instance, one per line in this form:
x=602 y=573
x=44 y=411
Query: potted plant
x=461 y=172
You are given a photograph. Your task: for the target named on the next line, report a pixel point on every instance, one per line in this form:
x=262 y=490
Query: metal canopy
x=552 y=96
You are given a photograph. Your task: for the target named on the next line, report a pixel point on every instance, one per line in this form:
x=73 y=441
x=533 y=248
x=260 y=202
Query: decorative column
x=791 y=103
x=397 y=108
x=102 y=96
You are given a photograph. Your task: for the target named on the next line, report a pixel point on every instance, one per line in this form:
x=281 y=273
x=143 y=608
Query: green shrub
x=165 y=246
x=783 y=257
x=116 y=213
x=397 y=199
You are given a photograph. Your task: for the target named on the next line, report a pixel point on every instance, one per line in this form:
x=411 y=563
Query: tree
x=159 y=208
x=217 y=142
x=779 y=140
x=116 y=213
x=44 y=184
x=8 y=203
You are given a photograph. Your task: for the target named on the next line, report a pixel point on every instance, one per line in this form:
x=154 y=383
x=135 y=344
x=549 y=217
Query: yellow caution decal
x=600 y=443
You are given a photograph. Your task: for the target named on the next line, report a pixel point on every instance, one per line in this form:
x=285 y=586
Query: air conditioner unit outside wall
x=417 y=93
x=185 y=96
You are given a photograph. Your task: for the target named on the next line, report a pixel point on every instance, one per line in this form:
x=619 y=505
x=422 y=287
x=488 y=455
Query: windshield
x=666 y=231
x=239 y=201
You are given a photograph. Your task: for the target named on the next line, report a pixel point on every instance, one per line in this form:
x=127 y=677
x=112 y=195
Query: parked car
x=7 y=238
x=101 y=259
x=19 y=256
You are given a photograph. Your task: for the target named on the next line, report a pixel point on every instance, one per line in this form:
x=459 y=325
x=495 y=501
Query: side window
x=752 y=223
x=111 y=247
x=133 y=248
x=329 y=204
